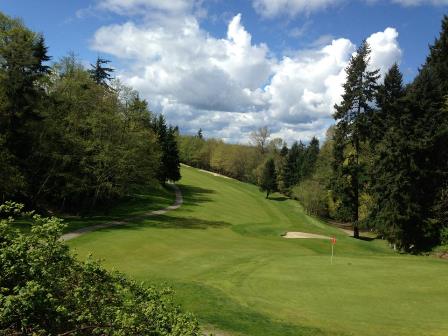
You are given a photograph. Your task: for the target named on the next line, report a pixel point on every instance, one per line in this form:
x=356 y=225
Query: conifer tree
x=395 y=209
x=281 y=169
x=310 y=158
x=426 y=97
x=294 y=163
x=100 y=73
x=171 y=156
x=351 y=116
x=170 y=164
x=268 y=179
x=22 y=65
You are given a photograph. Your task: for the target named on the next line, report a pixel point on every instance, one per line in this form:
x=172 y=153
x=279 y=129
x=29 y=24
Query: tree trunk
x=356 y=191
x=356 y=231
x=267 y=193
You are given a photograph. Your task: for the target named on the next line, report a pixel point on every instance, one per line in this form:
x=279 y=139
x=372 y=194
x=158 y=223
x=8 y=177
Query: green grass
x=223 y=254
x=147 y=199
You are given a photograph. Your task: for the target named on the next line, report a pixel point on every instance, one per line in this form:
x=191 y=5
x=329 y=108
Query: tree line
x=384 y=165
x=72 y=137
x=263 y=160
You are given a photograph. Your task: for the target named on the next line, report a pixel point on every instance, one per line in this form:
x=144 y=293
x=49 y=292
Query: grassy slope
x=148 y=199
x=223 y=254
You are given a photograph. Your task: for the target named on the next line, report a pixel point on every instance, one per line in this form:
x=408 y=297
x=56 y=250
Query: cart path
x=82 y=231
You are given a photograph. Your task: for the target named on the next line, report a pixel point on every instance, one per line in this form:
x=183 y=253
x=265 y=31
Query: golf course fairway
x=223 y=254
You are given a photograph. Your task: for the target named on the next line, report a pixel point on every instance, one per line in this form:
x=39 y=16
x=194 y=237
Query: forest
x=71 y=137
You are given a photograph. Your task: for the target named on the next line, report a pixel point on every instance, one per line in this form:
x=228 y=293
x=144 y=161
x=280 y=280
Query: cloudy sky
x=230 y=66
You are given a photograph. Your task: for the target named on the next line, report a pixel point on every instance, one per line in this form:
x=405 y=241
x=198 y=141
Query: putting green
x=223 y=253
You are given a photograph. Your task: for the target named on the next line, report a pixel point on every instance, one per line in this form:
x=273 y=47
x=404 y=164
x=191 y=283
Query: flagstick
x=332 y=246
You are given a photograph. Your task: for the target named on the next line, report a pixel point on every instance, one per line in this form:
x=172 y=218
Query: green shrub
x=44 y=290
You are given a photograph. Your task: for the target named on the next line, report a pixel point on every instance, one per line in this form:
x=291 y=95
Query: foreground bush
x=44 y=290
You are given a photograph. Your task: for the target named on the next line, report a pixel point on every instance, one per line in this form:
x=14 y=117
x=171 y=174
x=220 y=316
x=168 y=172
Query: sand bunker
x=303 y=235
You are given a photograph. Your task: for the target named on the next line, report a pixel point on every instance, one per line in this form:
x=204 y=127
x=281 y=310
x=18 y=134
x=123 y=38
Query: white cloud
x=132 y=7
x=272 y=8
x=230 y=86
x=385 y=49
x=409 y=3
x=291 y=8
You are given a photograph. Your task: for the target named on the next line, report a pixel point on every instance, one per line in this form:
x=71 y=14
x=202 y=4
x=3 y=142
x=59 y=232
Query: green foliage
x=44 y=290
x=268 y=178
x=67 y=139
x=351 y=129
x=96 y=144
x=169 y=169
x=22 y=54
x=410 y=169
x=100 y=73
x=313 y=196
x=314 y=191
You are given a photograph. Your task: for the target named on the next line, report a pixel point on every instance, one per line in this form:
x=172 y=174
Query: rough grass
x=223 y=254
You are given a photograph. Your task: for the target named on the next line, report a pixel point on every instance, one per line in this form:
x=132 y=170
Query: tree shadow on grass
x=215 y=308
x=169 y=222
x=278 y=198
x=365 y=238
x=193 y=195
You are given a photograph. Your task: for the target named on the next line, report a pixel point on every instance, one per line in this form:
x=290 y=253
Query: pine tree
x=395 y=208
x=426 y=97
x=281 y=169
x=170 y=163
x=310 y=158
x=351 y=129
x=171 y=156
x=22 y=66
x=100 y=73
x=268 y=179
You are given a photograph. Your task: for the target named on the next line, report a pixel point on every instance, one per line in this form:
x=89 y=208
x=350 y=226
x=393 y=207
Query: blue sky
x=232 y=66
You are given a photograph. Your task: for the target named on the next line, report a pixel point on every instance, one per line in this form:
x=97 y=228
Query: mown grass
x=137 y=204
x=223 y=253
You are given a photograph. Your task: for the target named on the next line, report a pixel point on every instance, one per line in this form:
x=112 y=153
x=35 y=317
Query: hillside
x=223 y=253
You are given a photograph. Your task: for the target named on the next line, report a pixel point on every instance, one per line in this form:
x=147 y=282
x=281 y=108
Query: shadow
x=217 y=309
x=193 y=195
x=366 y=238
x=169 y=222
x=278 y=198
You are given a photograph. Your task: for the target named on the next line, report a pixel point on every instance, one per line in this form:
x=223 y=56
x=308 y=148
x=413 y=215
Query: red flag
x=333 y=240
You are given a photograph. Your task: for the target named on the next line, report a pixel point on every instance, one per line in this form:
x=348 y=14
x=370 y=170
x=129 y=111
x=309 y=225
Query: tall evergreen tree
x=268 y=178
x=170 y=163
x=281 y=168
x=396 y=210
x=22 y=66
x=310 y=157
x=100 y=73
x=294 y=164
x=426 y=97
x=171 y=156
x=351 y=116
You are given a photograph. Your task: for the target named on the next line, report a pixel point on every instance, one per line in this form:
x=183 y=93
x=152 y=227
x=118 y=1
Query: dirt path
x=303 y=235
x=80 y=232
